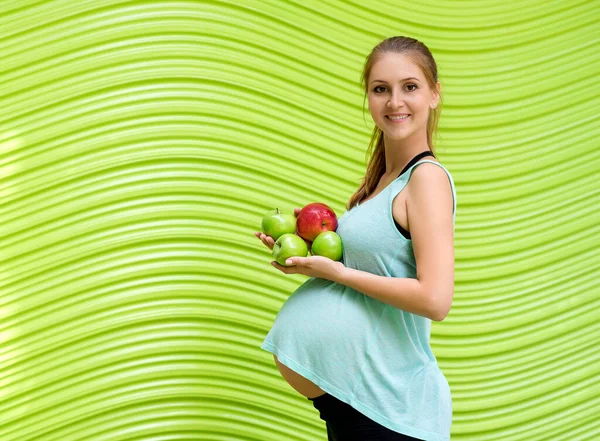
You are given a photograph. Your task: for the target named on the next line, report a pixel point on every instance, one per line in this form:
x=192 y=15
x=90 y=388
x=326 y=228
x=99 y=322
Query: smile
x=397 y=119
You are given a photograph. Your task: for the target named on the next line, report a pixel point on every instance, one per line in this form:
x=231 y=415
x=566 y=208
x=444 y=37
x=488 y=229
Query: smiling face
x=396 y=85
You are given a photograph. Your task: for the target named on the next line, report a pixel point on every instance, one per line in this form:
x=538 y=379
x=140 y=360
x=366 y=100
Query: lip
x=399 y=121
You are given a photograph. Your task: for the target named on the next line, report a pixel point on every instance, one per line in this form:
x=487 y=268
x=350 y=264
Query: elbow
x=435 y=314
x=438 y=309
x=438 y=316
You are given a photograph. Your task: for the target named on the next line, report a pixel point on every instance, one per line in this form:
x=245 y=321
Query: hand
x=313 y=266
x=270 y=242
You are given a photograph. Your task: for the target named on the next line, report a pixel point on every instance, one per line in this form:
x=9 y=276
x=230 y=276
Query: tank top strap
x=415 y=159
x=410 y=167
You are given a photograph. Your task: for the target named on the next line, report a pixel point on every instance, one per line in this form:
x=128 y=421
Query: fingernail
x=288 y=262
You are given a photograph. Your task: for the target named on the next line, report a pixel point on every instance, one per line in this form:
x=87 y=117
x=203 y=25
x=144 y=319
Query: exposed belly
x=298 y=382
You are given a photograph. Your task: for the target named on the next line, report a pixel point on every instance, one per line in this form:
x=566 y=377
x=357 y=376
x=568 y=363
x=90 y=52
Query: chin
x=399 y=135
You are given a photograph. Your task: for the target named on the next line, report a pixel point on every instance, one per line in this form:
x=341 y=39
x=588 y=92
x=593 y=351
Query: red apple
x=314 y=219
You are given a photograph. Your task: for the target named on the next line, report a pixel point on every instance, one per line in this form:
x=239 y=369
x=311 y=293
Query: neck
x=399 y=152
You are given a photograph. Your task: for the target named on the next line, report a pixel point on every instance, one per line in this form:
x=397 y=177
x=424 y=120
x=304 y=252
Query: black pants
x=345 y=423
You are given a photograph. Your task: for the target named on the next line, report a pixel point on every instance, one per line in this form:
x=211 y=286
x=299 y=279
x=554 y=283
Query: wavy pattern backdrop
x=142 y=141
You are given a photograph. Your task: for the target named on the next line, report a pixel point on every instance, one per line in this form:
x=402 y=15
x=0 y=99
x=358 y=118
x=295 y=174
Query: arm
x=429 y=208
x=403 y=293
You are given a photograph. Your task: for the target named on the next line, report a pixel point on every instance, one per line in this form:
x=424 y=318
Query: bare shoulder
x=429 y=182
x=425 y=172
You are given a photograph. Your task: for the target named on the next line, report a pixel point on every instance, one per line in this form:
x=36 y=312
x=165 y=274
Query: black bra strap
x=411 y=163
x=415 y=159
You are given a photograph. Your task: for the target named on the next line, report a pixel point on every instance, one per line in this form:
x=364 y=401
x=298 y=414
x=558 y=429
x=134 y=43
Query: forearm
x=403 y=293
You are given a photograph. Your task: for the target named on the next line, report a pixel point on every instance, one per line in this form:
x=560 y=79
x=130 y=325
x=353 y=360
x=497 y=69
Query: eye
x=408 y=85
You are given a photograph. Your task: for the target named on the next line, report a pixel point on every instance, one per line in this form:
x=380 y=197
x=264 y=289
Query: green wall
x=141 y=143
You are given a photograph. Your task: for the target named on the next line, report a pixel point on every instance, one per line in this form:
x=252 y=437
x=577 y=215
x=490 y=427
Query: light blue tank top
x=371 y=355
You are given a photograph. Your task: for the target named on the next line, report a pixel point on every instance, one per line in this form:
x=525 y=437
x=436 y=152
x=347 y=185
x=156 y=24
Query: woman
x=354 y=338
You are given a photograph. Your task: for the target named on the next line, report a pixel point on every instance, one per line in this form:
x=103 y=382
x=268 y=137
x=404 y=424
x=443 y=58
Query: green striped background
x=141 y=143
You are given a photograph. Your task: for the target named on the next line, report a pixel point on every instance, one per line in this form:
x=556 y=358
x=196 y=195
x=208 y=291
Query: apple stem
x=277 y=210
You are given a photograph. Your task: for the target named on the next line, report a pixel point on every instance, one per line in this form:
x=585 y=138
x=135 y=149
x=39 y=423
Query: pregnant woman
x=355 y=337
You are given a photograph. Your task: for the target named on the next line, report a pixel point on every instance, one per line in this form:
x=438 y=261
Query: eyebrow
x=409 y=78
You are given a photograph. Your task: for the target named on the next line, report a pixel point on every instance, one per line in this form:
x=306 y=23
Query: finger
x=260 y=236
x=269 y=241
x=279 y=267
x=265 y=239
x=292 y=261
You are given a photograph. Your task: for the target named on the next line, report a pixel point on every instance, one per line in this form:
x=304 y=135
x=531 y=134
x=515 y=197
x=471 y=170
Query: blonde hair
x=421 y=56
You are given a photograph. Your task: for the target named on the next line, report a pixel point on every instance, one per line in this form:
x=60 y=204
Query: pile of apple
x=314 y=227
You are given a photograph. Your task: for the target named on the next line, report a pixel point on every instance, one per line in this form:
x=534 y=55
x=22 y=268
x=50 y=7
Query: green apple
x=289 y=245
x=275 y=223
x=328 y=244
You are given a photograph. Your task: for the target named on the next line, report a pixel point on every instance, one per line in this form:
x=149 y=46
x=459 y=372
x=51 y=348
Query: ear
x=436 y=95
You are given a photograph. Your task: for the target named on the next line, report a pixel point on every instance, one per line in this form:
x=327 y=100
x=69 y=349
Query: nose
x=396 y=100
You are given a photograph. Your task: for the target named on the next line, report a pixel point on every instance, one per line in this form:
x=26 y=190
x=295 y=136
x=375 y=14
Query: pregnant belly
x=318 y=316
x=302 y=385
